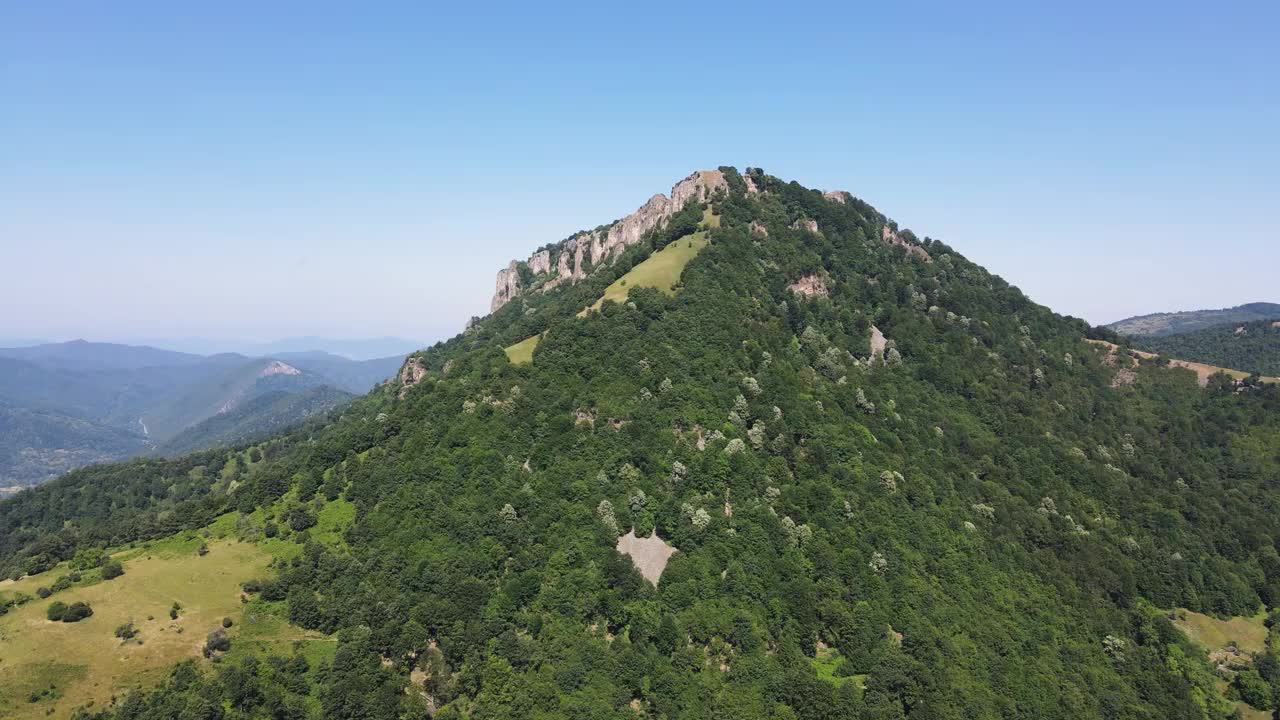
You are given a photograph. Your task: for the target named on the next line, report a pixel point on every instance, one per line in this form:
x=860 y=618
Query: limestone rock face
x=540 y=262
x=506 y=287
x=598 y=246
x=631 y=228
x=758 y=229
x=840 y=196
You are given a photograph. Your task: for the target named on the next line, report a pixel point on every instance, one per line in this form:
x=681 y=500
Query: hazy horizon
x=345 y=174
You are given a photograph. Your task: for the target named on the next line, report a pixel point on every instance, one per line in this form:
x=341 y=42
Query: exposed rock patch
x=805 y=224
x=811 y=285
x=878 y=343
x=758 y=229
x=840 y=196
x=411 y=373
x=650 y=554
x=275 y=367
x=892 y=237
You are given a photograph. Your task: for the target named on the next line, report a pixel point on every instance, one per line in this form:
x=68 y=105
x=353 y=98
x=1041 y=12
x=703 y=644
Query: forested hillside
x=1176 y=323
x=895 y=487
x=1252 y=347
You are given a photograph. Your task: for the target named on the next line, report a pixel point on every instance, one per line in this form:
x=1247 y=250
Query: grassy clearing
x=660 y=270
x=264 y=629
x=827 y=661
x=1210 y=633
x=1214 y=634
x=522 y=352
x=71 y=664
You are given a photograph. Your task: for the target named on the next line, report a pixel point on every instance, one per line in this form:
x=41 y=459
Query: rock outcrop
x=540 y=262
x=411 y=373
x=811 y=285
x=805 y=224
x=892 y=237
x=507 y=286
x=573 y=256
x=840 y=196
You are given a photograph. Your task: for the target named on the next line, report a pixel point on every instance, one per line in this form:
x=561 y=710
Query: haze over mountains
x=354 y=349
x=66 y=405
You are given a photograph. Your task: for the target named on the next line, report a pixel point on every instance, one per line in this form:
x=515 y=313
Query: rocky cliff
x=571 y=259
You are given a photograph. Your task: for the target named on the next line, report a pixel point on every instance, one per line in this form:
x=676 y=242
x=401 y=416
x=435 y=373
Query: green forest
x=971 y=521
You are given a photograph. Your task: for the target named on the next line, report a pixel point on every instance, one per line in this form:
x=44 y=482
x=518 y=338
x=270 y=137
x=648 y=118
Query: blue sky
x=343 y=169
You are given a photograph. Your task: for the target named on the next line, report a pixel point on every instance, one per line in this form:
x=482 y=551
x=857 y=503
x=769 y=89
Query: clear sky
x=255 y=170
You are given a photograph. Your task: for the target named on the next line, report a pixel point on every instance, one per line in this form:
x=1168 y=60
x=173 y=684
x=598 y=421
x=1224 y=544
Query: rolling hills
x=1252 y=346
x=1174 y=323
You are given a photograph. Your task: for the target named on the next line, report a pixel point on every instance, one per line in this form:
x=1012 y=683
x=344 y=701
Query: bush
x=301 y=518
x=217 y=642
x=126 y=632
x=57 y=610
x=112 y=570
x=226 y=622
x=43 y=592
x=75 y=612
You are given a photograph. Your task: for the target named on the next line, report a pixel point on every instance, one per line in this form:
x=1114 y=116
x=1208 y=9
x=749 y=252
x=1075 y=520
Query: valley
x=68 y=405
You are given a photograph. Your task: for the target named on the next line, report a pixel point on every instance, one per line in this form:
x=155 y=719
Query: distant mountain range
x=1174 y=323
x=353 y=349
x=65 y=405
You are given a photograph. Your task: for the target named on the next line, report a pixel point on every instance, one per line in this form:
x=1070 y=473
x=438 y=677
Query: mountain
x=1251 y=346
x=351 y=348
x=1174 y=323
x=752 y=451
x=354 y=349
x=256 y=418
x=354 y=376
x=143 y=397
x=81 y=355
x=36 y=444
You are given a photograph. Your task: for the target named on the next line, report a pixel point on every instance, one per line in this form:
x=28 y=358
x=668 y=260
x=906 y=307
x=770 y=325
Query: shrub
x=216 y=642
x=226 y=622
x=112 y=570
x=57 y=610
x=126 y=632
x=75 y=612
x=43 y=592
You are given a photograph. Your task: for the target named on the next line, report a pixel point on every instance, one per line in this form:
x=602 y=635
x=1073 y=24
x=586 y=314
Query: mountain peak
x=571 y=259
